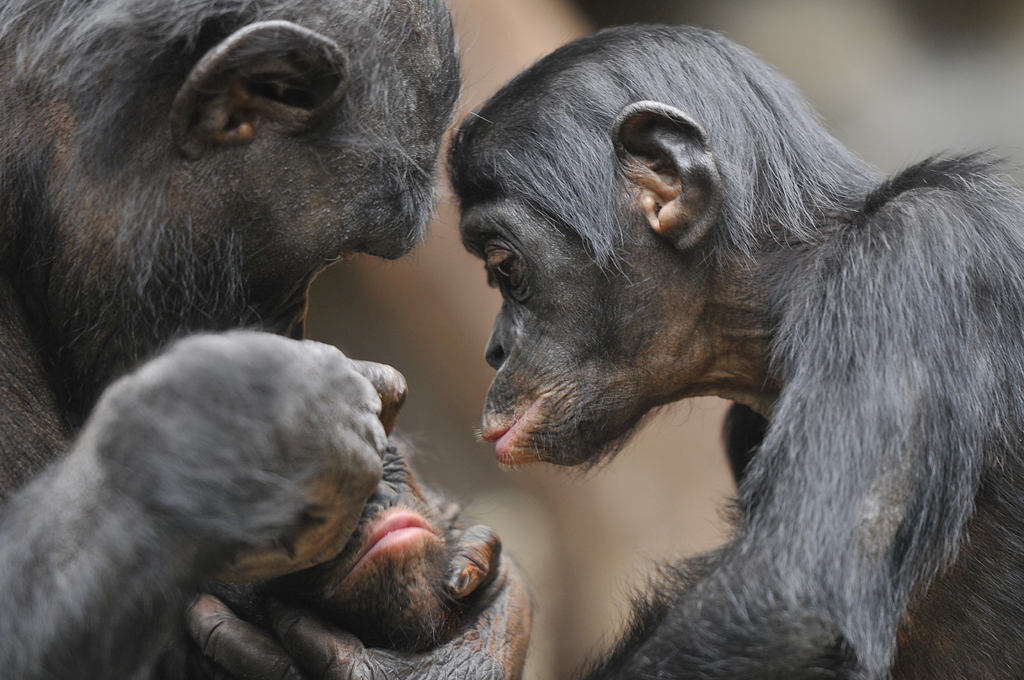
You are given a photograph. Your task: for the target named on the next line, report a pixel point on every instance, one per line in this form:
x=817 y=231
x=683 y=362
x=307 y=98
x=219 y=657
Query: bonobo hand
x=491 y=641
x=257 y=450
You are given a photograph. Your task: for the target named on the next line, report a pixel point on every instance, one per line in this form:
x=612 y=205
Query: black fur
x=116 y=238
x=744 y=430
x=891 y=370
x=764 y=133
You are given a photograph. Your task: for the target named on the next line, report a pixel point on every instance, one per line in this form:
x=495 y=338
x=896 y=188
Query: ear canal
x=666 y=157
x=269 y=72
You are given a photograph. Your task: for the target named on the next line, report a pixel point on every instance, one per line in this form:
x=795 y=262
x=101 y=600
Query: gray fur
x=114 y=243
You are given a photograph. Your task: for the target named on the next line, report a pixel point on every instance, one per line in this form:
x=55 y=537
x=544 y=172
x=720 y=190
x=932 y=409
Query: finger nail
x=459 y=582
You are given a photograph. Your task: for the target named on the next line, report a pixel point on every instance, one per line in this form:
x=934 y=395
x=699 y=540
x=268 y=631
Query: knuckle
x=285 y=670
x=213 y=638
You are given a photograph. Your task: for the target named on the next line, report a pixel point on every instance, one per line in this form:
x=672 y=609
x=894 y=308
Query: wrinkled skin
x=414 y=589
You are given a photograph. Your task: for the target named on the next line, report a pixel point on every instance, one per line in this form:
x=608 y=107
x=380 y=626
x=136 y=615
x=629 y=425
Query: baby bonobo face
x=388 y=585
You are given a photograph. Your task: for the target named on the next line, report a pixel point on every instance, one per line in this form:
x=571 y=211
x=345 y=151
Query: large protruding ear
x=272 y=74
x=666 y=155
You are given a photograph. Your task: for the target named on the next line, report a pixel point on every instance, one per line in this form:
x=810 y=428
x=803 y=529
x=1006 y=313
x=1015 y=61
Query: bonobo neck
x=736 y=308
x=31 y=428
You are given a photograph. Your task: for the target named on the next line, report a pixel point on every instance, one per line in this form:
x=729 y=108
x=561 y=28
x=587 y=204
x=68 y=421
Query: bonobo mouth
x=397 y=534
x=511 y=438
x=388 y=585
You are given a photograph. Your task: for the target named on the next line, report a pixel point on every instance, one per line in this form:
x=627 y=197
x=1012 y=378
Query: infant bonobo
x=391 y=585
x=406 y=581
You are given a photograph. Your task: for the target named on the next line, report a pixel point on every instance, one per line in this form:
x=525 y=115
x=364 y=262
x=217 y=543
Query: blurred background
x=895 y=81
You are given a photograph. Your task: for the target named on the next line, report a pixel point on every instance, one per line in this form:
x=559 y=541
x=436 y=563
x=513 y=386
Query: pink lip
x=504 y=440
x=397 y=529
x=494 y=435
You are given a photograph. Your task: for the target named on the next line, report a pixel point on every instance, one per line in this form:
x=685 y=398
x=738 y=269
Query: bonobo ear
x=665 y=154
x=271 y=73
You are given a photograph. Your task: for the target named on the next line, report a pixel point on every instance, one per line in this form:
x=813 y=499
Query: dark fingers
x=475 y=561
x=237 y=647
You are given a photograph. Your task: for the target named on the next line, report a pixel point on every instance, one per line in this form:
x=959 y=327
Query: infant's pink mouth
x=396 y=531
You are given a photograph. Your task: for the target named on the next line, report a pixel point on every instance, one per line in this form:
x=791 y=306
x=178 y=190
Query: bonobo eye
x=505 y=271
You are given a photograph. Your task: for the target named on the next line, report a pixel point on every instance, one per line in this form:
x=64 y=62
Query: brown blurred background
x=894 y=80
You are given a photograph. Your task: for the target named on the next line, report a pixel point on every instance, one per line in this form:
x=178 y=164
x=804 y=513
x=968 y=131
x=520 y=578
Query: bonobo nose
x=384 y=496
x=495 y=354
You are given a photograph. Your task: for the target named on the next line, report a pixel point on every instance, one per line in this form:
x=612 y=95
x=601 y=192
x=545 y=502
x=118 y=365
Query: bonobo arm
x=868 y=470
x=237 y=449
x=90 y=584
x=743 y=431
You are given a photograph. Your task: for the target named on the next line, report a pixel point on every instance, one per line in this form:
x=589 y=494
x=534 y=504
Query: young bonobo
x=665 y=217
x=390 y=586
x=411 y=579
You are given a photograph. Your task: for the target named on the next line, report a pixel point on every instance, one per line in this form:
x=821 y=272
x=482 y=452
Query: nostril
x=495 y=355
x=384 y=495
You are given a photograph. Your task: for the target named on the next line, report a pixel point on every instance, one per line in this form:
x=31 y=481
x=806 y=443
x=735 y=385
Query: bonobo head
x=626 y=194
x=388 y=585
x=170 y=167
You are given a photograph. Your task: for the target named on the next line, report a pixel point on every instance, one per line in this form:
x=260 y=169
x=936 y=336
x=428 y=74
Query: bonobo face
x=583 y=352
x=388 y=584
x=196 y=173
x=597 y=213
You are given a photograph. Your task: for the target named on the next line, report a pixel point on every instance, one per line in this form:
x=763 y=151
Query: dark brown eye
x=504 y=270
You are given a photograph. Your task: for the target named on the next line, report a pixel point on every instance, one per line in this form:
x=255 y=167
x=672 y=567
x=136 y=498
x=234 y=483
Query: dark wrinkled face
x=203 y=195
x=583 y=352
x=388 y=585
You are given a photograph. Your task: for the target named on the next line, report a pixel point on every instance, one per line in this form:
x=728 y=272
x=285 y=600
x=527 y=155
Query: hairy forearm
x=705 y=619
x=87 y=587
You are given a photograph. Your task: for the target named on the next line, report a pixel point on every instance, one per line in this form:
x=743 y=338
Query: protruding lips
x=510 y=434
x=396 y=531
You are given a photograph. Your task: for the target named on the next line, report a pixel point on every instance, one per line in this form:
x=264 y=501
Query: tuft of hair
x=546 y=136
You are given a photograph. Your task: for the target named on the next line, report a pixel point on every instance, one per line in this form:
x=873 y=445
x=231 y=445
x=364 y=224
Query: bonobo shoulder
x=963 y=203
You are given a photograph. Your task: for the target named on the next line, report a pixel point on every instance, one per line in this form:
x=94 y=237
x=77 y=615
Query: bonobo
x=391 y=585
x=171 y=168
x=665 y=217
x=412 y=578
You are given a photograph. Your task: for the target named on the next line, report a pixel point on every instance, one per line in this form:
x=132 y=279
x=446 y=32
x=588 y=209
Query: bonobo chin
x=389 y=585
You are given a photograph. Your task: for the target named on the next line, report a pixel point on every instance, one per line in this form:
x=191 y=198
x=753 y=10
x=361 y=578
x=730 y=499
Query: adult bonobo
x=665 y=217
x=170 y=168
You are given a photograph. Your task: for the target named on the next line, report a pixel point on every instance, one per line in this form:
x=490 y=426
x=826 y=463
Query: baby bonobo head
x=388 y=585
x=627 y=194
